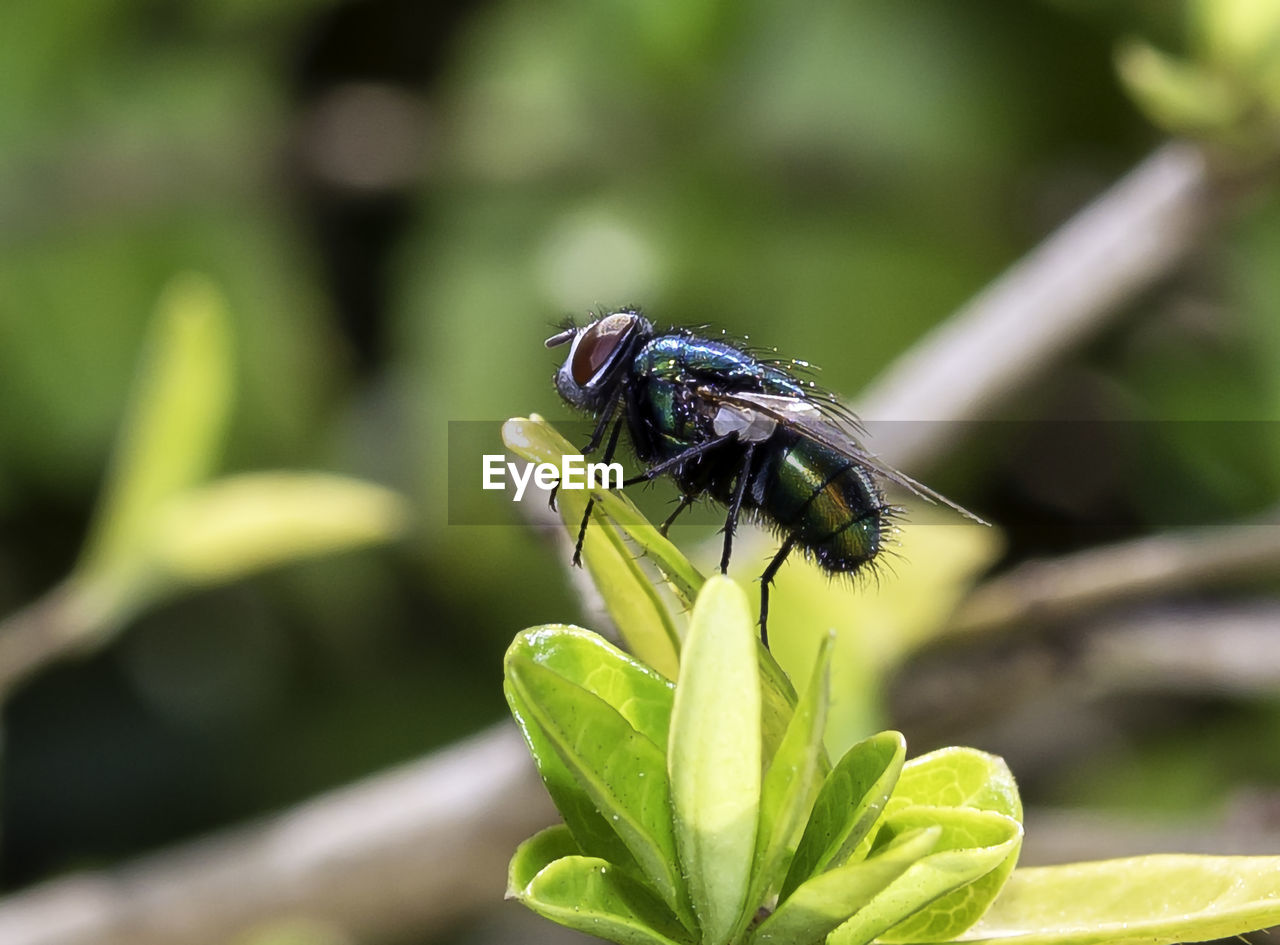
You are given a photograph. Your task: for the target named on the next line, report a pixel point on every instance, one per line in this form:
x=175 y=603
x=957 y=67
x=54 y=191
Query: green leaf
x=589 y=894
x=957 y=777
x=961 y=778
x=827 y=900
x=849 y=804
x=629 y=596
x=1241 y=35
x=1152 y=900
x=683 y=578
x=538 y=441
x=1180 y=96
x=640 y=695
x=161 y=527
x=956 y=879
x=238 y=525
x=714 y=757
x=536 y=853
x=593 y=833
x=173 y=433
x=621 y=771
x=777 y=704
x=787 y=792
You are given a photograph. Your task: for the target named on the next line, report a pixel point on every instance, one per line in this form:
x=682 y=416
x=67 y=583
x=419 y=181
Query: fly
x=744 y=431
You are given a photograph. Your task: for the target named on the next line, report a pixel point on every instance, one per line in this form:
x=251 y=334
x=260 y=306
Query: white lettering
x=546 y=475
x=521 y=481
x=607 y=473
x=494 y=468
x=571 y=470
x=574 y=472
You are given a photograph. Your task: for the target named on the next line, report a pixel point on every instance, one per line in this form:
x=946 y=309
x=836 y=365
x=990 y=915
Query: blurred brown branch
x=39 y=633
x=1050 y=301
x=1044 y=592
x=1228 y=649
x=422 y=846
x=411 y=848
x=1249 y=827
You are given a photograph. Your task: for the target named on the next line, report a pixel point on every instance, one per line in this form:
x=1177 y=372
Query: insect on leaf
x=538 y=441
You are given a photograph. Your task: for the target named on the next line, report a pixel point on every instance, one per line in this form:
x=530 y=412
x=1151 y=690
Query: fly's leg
x=693 y=452
x=591 y=500
x=765 y=580
x=685 y=502
x=596 y=436
x=731 y=522
x=601 y=425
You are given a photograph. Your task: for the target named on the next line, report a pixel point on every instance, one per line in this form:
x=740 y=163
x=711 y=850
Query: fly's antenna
x=561 y=338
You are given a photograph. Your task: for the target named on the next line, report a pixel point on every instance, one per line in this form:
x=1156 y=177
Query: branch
x=67 y=619
x=1215 y=651
x=1067 y=836
x=1048 y=303
x=34 y=635
x=1042 y=592
x=413 y=848
x=1006 y=695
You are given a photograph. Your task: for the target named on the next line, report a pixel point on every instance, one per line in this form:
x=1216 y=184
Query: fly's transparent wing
x=813 y=422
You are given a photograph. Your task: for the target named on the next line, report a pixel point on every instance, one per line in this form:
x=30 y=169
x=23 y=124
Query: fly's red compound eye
x=598 y=346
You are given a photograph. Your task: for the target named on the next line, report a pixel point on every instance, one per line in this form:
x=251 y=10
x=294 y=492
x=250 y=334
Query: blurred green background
x=398 y=199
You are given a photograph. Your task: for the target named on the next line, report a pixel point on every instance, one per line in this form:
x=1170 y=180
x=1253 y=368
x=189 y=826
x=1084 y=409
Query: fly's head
x=600 y=355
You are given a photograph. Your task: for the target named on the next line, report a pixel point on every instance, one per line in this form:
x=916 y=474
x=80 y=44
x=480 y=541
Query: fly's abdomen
x=828 y=504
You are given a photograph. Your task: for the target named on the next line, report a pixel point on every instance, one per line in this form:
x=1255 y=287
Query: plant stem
x=59 y=622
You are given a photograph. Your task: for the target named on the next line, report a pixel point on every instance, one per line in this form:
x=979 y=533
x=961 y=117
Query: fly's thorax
x=673 y=417
x=685 y=358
